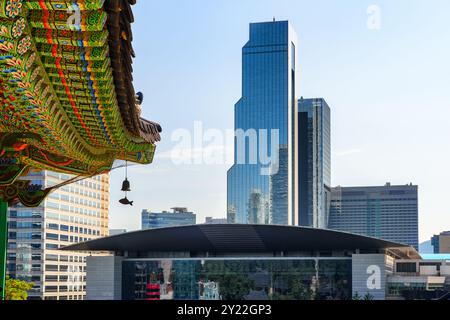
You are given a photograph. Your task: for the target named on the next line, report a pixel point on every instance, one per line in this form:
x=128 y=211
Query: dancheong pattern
x=67 y=102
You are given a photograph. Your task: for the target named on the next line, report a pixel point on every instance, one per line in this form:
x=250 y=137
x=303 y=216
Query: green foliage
x=356 y=296
x=368 y=297
x=17 y=289
x=235 y=287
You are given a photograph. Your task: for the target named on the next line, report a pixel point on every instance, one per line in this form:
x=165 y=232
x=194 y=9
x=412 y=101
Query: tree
x=17 y=289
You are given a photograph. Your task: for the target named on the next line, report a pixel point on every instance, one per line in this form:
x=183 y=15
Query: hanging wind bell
x=126 y=187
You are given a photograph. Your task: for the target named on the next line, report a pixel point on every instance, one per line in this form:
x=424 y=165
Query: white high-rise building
x=74 y=213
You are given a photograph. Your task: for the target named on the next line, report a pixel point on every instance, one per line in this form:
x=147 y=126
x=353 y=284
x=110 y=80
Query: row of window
x=64 y=207
x=87 y=183
x=24 y=257
x=65 y=238
x=72 y=219
x=13 y=267
x=374 y=200
x=24 y=225
x=64 y=268
x=82 y=192
x=78 y=297
x=24 y=236
x=31 y=246
x=72 y=229
x=25 y=214
x=53 y=289
x=71 y=279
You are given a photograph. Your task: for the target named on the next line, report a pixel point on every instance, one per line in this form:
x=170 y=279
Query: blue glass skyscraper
x=314 y=147
x=261 y=191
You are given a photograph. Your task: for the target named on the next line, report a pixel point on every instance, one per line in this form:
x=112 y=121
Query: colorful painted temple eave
x=67 y=102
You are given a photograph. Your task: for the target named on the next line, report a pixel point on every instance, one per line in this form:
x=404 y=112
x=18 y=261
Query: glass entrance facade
x=237 y=279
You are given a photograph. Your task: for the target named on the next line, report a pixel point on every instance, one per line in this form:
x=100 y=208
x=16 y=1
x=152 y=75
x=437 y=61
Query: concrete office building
x=74 y=213
x=178 y=217
x=260 y=192
x=420 y=279
x=441 y=243
x=314 y=172
x=387 y=212
x=205 y=261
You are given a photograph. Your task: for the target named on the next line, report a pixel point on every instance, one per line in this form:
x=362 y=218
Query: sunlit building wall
x=74 y=213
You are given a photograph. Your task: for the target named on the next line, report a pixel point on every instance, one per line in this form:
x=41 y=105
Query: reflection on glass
x=319 y=279
x=265 y=107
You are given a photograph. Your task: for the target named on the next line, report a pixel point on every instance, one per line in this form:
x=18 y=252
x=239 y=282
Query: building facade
x=74 y=213
x=441 y=243
x=387 y=212
x=243 y=262
x=420 y=279
x=178 y=217
x=262 y=182
x=314 y=174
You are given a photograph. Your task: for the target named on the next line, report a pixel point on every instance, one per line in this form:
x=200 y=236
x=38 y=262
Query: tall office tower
x=314 y=172
x=441 y=243
x=178 y=217
x=74 y=213
x=266 y=123
x=389 y=212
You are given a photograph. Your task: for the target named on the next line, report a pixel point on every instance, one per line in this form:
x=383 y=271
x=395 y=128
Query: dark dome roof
x=235 y=238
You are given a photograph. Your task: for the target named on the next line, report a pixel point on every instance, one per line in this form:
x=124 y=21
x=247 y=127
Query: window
x=51 y=246
x=51 y=267
x=52 y=205
x=53 y=216
x=51 y=278
x=36 y=257
x=51 y=289
x=52 y=236
x=52 y=226
x=51 y=257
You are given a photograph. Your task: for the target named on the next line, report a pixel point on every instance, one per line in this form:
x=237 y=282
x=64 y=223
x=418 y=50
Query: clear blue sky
x=388 y=90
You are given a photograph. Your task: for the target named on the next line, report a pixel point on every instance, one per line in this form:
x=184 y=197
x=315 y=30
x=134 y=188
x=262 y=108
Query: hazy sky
x=388 y=90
